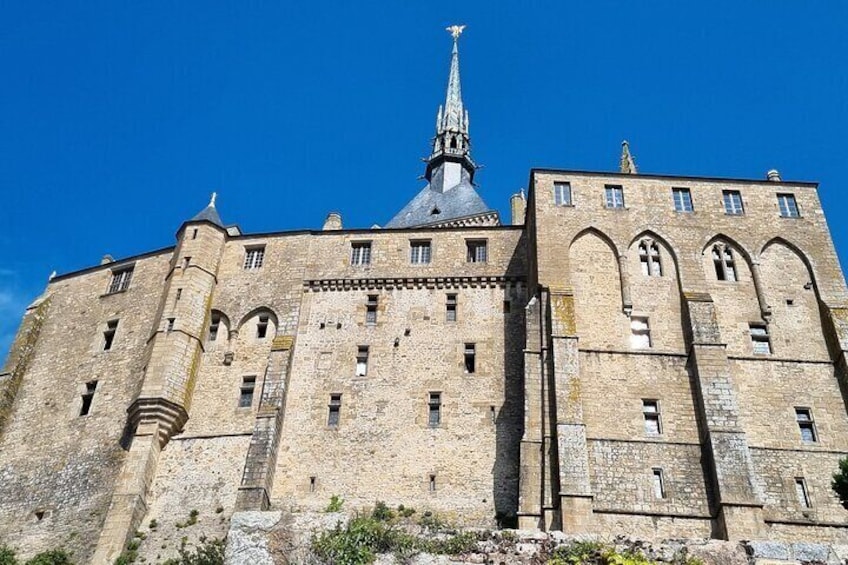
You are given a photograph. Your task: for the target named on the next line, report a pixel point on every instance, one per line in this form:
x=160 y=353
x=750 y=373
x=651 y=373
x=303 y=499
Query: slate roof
x=460 y=201
x=208 y=214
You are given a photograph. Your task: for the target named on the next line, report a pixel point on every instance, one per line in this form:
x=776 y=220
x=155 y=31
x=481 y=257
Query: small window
x=254 y=257
x=312 y=482
x=186 y=262
x=194 y=233
x=362 y=361
x=360 y=253
x=432 y=483
x=682 y=199
x=725 y=266
x=640 y=333
x=179 y=295
x=419 y=252
x=470 y=357
x=371 y=310
x=507 y=306
x=335 y=410
x=477 y=251
x=214 y=324
x=262 y=326
x=450 y=308
x=614 y=196
x=120 y=280
x=109 y=334
x=651 y=412
x=788 y=206
x=733 y=202
x=804 y=417
x=434 y=418
x=659 y=484
x=562 y=194
x=170 y=327
x=649 y=258
x=88 y=397
x=760 y=339
x=801 y=493
x=248 y=385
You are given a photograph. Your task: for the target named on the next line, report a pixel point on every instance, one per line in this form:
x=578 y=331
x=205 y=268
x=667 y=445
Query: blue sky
x=117 y=119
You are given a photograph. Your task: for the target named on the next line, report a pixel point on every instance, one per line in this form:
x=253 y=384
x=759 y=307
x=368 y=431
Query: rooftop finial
x=455 y=31
x=627 y=165
x=212 y=200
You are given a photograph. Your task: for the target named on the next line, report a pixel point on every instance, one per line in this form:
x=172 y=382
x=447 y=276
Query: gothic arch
x=799 y=252
x=720 y=237
x=601 y=235
x=661 y=239
x=256 y=312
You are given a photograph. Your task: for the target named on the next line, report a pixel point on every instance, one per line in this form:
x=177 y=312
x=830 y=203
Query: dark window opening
x=470 y=357
x=248 y=385
x=432 y=483
x=371 y=310
x=311 y=484
x=434 y=419
x=214 y=324
x=109 y=334
x=170 y=326
x=335 y=409
x=450 y=308
x=362 y=361
x=186 y=262
x=262 y=326
x=88 y=397
x=194 y=233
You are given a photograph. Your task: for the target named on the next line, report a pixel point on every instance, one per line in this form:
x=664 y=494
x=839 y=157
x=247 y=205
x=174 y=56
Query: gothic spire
x=627 y=165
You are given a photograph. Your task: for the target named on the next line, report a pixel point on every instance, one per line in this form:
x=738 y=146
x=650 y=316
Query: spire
x=209 y=214
x=627 y=164
x=452 y=142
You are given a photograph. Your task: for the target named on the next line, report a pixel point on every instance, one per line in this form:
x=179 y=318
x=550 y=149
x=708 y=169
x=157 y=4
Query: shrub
x=209 y=552
x=382 y=513
x=335 y=505
x=7 y=556
x=52 y=557
x=840 y=482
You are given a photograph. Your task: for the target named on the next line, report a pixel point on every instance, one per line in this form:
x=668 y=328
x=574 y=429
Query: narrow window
x=804 y=417
x=651 y=412
x=434 y=419
x=640 y=333
x=507 y=306
x=470 y=357
x=801 y=492
x=88 y=397
x=109 y=334
x=248 y=385
x=562 y=194
x=360 y=253
x=194 y=233
x=788 y=206
x=120 y=280
x=733 y=202
x=170 y=326
x=659 y=484
x=643 y=259
x=186 y=262
x=614 y=196
x=419 y=252
x=335 y=409
x=311 y=484
x=432 y=483
x=654 y=256
x=450 y=308
x=362 y=361
x=179 y=295
x=760 y=339
x=682 y=199
x=262 y=326
x=214 y=324
x=254 y=257
x=477 y=251
x=729 y=265
x=371 y=310
x=725 y=266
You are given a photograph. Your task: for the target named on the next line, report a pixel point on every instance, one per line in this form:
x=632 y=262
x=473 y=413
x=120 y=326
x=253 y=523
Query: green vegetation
x=209 y=552
x=335 y=505
x=840 y=482
x=52 y=557
x=192 y=520
x=594 y=553
x=7 y=556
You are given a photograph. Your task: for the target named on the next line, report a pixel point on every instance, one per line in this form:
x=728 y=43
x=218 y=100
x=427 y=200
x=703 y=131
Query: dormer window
x=435 y=212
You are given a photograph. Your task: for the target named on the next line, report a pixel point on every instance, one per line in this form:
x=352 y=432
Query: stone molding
x=413 y=283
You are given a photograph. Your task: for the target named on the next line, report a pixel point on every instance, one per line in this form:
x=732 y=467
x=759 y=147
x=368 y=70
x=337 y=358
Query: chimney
x=518 y=206
x=773 y=175
x=333 y=222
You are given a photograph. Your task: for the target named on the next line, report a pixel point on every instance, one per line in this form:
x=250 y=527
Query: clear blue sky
x=117 y=119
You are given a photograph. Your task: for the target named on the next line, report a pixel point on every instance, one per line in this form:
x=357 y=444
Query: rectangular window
x=120 y=280
x=507 y=306
x=194 y=233
x=659 y=483
x=432 y=483
x=170 y=326
x=419 y=252
x=371 y=310
x=801 y=492
x=179 y=295
x=362 y=361
x=760 y=339
x=248 y=384
x=788 y=206
x=804 y=417
x=614 y=196
x=733 y=202
x=434 y=406
x=109 y=334
x=470 y=357
x=682 y=199
x=262 y=326
x=562 y=194
x=335 y=410
x=311 y=484
x=640 y=333
x=254 y=257
x=214 y=324
x=651 y=412
x=360 y=253
x=477 y=251
x=450 y=308
x=88 y=397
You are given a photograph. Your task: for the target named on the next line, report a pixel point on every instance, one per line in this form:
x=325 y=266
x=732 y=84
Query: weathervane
x=455 y=31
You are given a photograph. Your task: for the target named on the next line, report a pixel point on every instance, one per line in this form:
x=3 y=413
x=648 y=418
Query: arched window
x=723 y=261
x=649 y=258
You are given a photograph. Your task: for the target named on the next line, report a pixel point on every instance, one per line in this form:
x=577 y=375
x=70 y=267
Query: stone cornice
x=413 y=283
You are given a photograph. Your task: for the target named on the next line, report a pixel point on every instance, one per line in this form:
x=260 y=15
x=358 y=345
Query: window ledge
x=105 y=294
x=564 y=206
x=621 y=209
x=790 y=217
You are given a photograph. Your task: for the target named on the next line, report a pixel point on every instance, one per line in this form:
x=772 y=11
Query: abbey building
x=628 y=353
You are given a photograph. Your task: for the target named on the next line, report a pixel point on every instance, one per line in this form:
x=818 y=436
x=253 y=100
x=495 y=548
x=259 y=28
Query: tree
x=840 y=482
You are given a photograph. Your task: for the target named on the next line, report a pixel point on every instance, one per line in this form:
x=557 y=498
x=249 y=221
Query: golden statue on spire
x=455 y=31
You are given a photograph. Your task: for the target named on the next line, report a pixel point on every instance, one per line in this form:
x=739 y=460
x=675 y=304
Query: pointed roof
x=433 y=207
x=454 y=117
x=627 y=164
x=209 y=214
